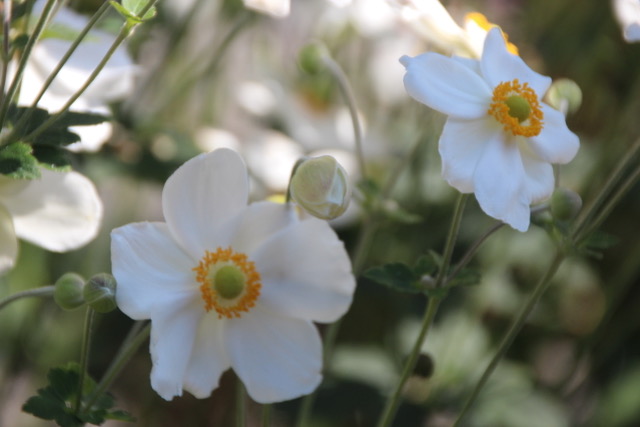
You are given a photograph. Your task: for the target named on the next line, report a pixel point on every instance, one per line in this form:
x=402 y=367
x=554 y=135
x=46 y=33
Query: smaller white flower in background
x=499 y=139
x=628 y=14
x=60 y=211
x=114 y=82
x=431 y=20
x=280 y=8
x=231 y=285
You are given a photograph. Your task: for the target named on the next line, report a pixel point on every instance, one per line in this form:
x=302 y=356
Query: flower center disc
x=517 y=108
x=229 y=282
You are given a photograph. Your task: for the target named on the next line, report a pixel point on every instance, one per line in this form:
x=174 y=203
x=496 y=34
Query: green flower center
x=519 y=107
x=228 y=282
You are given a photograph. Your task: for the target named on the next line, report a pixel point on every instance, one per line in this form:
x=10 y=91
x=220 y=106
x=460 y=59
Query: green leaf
x=397 y=276
x=17 y=161
x=120 y=415
x=466 y=277
x=131 y=9
x=426 y=264
x=53 y=158
x=76 y=118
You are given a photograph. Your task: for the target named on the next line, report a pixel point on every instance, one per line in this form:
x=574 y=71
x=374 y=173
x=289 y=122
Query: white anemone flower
x=628 y=14
x=60 y=211
x=499 y=139
x=227 y=284
x=115 y=81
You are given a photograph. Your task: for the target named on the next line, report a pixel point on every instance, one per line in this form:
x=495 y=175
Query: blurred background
x=213 y=73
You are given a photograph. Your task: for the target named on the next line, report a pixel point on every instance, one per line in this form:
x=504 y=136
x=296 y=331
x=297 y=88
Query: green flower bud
x=564 y=95
x=321 y=187
x=565 y=204
x=310 y=58
x=67 y=291
x=100 y=293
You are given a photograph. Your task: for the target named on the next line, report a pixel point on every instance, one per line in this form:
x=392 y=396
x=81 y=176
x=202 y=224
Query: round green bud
x=565 y=204
x=310 y=58
x=564 y=95
x=100 y=293
x=67 y=291
x=321 y=187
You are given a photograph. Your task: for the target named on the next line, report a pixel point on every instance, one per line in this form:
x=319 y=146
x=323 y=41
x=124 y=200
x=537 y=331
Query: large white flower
x=227 y=284
x=499 y=140
x=114 y=82
x=60 y=211
x=628 y=15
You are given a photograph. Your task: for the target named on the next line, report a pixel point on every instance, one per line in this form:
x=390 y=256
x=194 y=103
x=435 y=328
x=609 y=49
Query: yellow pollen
x=229 y=282
x=517 y=108
x=481 y=21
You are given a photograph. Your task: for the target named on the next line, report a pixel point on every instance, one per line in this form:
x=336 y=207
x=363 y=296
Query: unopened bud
x=310 y=58
x=565 y=204
x=100 y=293
x=321 y=187
x=67 y=291
x=564 y=95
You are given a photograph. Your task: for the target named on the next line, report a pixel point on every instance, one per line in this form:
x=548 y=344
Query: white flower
x=60 y=211
x=114 y=82
x=499 y=140
x=227 y=284
x=280 y=8
x=628 y=15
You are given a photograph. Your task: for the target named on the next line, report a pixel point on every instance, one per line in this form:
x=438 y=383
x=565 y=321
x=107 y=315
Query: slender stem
x=472 y=251
x=126 y=29
x=266 y=415
x=451 y=239
x=6 y=26
x=391 y=407
x=126 y=352
x=94 y=19
x=347 y=92
x=515 y=327
x=84 y=356
x=44 y=291
x=17 y=78
x=241 y=404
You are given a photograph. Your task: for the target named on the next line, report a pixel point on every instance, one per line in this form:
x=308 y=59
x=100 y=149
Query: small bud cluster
x=99 y=292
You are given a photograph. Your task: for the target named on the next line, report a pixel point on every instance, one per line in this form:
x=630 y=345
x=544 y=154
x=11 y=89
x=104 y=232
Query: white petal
x=276 y=357
x=209 y=358
x=276 y=8
x=555 y=143
x=461 y=145
x=149 y=267
x=60 y=211
x=305 y=272
x=201 y=195
x=257 y=223
x=498 y=65
x=539 y=179
x=8 y=241
x=446 y=85
x=499 y=184
x=173 y=331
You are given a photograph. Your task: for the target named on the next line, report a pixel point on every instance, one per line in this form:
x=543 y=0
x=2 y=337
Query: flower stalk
x=43 y=292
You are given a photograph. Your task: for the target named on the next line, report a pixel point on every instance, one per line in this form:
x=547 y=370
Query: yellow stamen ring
x=229 y=282
x=517 y=108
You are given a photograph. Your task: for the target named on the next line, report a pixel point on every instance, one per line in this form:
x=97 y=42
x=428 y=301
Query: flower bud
x=67 y=291
x=565 y=95
x=100 y=293
x=321 y=187
x=310 y=58
x=565 y=204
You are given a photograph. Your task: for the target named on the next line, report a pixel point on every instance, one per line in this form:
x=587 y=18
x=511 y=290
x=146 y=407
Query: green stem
x=94 y=19
x=44 y=291
x=126 y=352
x=472 y=251
x=266 y=415
x=515 y=327
x=6 y=25
x=343 y=83
x=241 y=405
x=17 y=78
x=84 y=356
x=391 y=406
x=120 y=38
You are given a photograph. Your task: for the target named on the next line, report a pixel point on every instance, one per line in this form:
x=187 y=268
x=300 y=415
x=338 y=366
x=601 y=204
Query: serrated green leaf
x=426 y=264
x=46 y=407
x=136 y=6
x=397 y=276
x=53 y=158
x=64 y=381
x=17 y=161
x=77 y=118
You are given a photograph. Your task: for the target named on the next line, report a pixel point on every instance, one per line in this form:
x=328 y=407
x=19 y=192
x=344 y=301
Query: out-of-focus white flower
x=280 y=8
x=431 y=20
x=499 y=140
x=227 y=284
x=628 y=14
x=114 y=82
x=60 y=211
